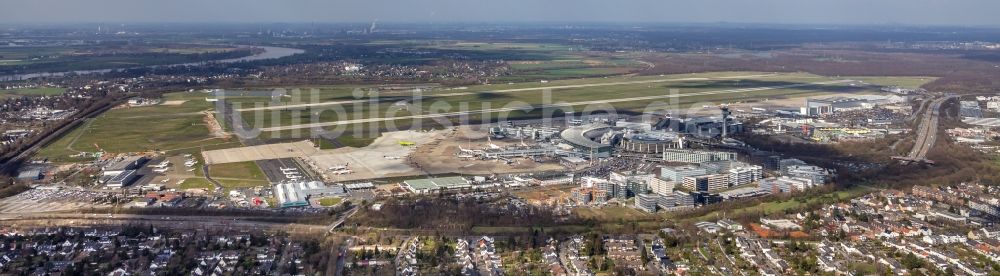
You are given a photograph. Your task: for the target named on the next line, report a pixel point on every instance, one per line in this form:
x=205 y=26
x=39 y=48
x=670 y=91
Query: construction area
x=387 y=156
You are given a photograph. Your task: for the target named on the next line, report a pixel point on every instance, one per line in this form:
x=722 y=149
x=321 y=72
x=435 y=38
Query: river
x=269 y=53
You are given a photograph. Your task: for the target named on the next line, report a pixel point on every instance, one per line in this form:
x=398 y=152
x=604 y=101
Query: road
x=557 y=105
x=344 y=255
x=731 y=260
x=208 y=175
x=555 y=87
x=344 y=218
x=927 y=130
x=166 y=221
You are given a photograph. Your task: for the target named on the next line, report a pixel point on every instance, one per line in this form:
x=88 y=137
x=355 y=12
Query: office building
x=677 y=174
x=745 y=175
x=706 y=183
x=683 y=199
x=816 y=174
x=647 y=202
x=661 y=186
x=697 y=157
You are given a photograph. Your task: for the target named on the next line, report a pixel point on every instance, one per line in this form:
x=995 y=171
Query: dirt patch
x=390 y=155
x=213 y=126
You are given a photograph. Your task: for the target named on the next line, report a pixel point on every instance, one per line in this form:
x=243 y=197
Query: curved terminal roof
x=580 y=135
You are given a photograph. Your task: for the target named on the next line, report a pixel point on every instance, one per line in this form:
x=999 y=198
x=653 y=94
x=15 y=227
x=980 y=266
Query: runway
x=507 y=109
x=555 y=87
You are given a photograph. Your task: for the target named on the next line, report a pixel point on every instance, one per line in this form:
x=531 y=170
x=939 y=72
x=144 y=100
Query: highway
x=927 y=130
x=556 y=105
x=555 y=87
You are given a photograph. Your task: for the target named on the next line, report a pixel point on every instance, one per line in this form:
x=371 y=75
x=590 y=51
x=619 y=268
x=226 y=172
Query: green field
x=905 y=82
x=197 y=183
x=329 y=201
x=172 y=128
x=229 y=184
x=585 y=91
x=238 y=175
x=37 y=91
x=241 y=170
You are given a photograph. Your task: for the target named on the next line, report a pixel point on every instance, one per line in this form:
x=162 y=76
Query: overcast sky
x=913 y=12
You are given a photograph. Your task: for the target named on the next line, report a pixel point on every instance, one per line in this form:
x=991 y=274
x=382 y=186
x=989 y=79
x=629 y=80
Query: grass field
x=197 y=183
x=611 y=213
x=329 y=201
x=905 y=82
x=238 y=175
x=37 y=91
x=174 y=128
x=239 y=170
x=229 y=184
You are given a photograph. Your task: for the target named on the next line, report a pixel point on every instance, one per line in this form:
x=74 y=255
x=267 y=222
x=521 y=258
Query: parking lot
x=282 y=170
x=39 y=201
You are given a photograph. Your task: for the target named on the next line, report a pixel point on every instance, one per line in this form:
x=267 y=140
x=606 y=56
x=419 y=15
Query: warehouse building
x=297 y=194
x=32 y=174
x=824 y=106
x=120 y=165
x=970 y=109
x=123 y=179
x=423 y=186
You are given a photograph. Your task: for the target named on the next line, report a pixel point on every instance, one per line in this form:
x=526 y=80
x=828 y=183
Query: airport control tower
x=725 y=120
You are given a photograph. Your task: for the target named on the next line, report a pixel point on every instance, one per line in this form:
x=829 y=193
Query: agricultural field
x=176 y=126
